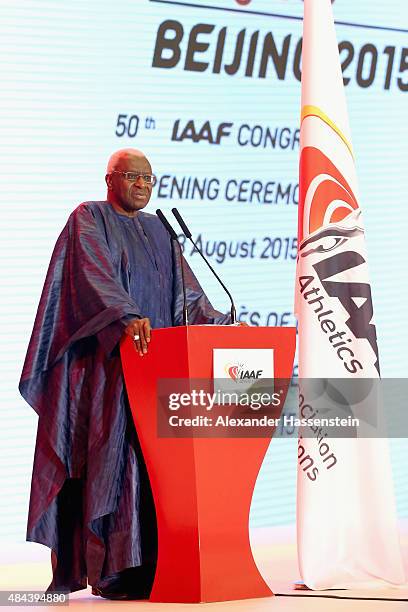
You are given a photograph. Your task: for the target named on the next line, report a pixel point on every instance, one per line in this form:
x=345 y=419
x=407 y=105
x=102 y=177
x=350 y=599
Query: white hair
x=118 y=156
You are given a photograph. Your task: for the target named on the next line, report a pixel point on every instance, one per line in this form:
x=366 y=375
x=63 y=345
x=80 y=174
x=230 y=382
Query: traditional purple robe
x=90 y=498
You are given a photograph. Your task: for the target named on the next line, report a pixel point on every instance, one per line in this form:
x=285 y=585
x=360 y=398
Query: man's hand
x=139 y=330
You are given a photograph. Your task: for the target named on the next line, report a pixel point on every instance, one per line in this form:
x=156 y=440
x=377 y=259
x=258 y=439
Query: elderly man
x=113 y=271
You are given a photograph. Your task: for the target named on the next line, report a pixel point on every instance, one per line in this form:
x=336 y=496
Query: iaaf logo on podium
x=241 y=367
x=238 y=372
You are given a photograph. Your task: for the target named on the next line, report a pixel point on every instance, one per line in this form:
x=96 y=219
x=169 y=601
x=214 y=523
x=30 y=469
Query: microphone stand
x=188 y=235
x=173 y=237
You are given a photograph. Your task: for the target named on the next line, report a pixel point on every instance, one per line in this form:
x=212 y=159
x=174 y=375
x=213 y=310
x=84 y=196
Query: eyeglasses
x=149 y=179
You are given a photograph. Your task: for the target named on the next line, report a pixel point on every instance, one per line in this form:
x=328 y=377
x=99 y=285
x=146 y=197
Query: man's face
x=131 y=195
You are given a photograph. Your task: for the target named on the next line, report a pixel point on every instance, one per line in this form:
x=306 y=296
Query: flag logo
x=325 y=195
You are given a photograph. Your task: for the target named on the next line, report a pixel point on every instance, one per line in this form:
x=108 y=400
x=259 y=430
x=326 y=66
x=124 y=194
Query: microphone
x=173 y=236
x=187 y=233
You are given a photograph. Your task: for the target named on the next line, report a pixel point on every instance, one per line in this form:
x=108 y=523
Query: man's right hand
x=139 y=330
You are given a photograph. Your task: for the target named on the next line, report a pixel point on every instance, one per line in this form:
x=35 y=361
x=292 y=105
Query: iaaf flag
x=347 y=530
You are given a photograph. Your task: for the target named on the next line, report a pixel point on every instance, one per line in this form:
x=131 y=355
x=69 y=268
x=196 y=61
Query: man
x=113 y=271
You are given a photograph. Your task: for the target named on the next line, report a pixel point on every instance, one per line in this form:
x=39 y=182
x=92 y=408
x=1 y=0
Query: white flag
x=347 y=529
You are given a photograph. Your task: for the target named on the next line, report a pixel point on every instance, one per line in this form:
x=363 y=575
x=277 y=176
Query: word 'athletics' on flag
x=346 y=515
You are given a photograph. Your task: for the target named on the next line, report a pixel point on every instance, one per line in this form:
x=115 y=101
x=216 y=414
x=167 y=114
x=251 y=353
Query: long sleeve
x=82 y=295
x=85 y=490
x=109 y=336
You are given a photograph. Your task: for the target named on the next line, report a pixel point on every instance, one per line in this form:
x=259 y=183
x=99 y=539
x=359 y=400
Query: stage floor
x=27 y=567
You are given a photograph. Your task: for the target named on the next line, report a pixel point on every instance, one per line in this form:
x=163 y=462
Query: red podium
x=202 y=487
